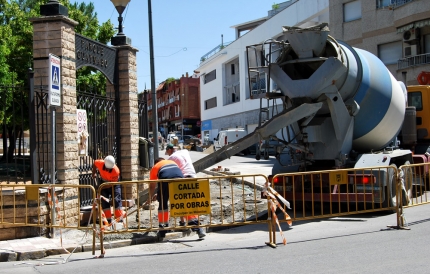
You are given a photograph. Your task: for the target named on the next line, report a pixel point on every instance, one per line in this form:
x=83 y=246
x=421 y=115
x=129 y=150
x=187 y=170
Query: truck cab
x=419 y=97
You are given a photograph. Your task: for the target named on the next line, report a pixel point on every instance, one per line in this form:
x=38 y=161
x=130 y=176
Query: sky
x=183 y=31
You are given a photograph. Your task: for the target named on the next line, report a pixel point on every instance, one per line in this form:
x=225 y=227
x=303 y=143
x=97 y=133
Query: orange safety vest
x=107 y=175
x=153 y=174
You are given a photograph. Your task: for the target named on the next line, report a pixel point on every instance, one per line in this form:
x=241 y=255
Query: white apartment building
x=224 y=85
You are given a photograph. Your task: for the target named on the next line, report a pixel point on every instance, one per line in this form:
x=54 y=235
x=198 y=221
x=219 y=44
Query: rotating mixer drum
x=315 y=64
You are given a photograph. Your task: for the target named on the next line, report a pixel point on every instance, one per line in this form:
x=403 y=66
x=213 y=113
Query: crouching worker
x=162 y=169
x=109 y=172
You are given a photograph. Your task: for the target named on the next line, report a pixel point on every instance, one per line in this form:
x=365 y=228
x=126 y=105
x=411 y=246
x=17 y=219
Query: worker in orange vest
x=162 y=169
x=109 y=172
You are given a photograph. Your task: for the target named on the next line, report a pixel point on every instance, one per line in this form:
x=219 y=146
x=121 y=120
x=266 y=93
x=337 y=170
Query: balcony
x=391 y=4
x=416 y=60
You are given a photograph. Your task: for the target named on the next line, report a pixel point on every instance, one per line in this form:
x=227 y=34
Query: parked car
x=269 y=145
x=161 y=141
x=187 y=139
x=170 y=137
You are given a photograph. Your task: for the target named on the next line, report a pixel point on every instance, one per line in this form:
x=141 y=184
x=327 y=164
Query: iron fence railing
x=14 y=152
x=420 y=59
x=143 y=116
x=391 y=3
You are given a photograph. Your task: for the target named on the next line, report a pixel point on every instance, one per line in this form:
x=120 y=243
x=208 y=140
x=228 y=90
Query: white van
x=229 y=136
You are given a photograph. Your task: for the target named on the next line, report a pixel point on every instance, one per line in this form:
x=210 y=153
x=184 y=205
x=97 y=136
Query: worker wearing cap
x=109 y=172
x=183 y=160
x=162 y=169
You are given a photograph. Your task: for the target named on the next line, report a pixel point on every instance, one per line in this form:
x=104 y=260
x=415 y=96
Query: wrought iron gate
x=101 y=114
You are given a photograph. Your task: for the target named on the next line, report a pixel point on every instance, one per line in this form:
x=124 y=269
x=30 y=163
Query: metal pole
x=153 y=91
x=145 y=114
x=53 y=217
x=32 y=119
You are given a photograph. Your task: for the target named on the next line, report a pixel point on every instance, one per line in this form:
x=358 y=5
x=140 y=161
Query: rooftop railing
x=214 y=51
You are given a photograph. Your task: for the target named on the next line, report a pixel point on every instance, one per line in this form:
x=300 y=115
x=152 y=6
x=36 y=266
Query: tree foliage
x=16 y=51
x=16 y=35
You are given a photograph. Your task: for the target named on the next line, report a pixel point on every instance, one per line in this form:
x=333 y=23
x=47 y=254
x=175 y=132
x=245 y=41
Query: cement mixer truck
x=342 y=108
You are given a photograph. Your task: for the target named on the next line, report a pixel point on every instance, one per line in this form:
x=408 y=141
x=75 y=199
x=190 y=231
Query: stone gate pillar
x=55 y=34
x=129 y=116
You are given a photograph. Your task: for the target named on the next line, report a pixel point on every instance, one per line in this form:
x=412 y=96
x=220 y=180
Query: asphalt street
x=353 y=244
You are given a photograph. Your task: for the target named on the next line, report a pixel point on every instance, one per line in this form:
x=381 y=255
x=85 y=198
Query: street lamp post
x=153 y=90
x=120 y=39
x=182 y=117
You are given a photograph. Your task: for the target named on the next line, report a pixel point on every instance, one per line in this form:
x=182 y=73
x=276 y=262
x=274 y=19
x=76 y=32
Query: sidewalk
x=72 y=241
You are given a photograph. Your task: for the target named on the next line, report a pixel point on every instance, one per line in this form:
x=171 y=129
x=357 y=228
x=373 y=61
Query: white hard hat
x=109 y=161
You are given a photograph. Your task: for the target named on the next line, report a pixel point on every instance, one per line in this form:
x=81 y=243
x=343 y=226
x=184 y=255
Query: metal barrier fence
x=329 y=193
x=219 y=201
x=417 y=181
x=46 y=207
x=223 y=201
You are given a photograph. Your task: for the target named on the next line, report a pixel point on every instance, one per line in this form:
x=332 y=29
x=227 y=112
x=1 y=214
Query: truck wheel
x=390 y=189
x=266 y=155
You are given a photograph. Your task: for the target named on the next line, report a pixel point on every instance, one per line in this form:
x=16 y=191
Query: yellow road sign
x=338 y=177
x=189 y=198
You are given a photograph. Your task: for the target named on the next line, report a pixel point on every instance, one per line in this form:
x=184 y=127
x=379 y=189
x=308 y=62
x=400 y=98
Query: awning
x=418 y=24
x=422 y=23
x=405 y=28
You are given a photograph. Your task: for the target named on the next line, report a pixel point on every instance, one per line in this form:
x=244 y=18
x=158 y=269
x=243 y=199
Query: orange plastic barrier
x=424 y=78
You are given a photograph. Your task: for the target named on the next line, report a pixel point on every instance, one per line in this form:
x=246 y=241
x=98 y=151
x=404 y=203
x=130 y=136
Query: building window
x=210 y=103
x=210 y=76
x=390 y=53
x=352 y=11
x=427 y=43
x=232 y=93
x=232 y=69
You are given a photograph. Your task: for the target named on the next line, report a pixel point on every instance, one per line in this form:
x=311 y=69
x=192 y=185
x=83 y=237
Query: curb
x=10 y=256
